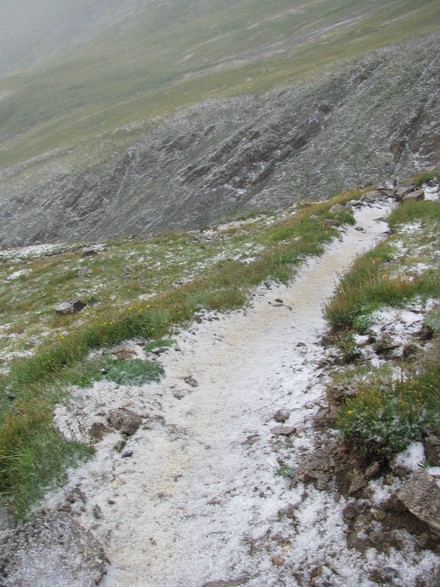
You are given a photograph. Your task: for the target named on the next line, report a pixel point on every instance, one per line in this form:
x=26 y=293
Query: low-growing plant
x=133 y=372
x=346 y=383
x=348 y=347
x=385 y=416
x=379 y=423
x=82 y=374
x=362 y=321
x=285 y=472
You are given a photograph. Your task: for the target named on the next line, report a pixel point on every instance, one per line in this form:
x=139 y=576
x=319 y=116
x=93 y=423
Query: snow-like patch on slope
x=199 y=499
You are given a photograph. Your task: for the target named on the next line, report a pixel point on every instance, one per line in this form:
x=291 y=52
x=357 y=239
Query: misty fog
x=31 y=30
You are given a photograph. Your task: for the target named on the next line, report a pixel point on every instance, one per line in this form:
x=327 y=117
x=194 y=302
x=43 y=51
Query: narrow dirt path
x=199 y=500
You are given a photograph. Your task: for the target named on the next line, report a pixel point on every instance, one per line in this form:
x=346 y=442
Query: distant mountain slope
x=141 y=115
x=377 y=118
x=126 y=62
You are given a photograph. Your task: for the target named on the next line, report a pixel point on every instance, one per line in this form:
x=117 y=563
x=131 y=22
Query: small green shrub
x=133 y=372
x=362 y=321
x=385 y=416
x=285 y=472
x=379 y=424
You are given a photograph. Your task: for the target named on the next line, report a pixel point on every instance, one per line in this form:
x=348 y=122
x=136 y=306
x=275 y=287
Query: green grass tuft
x=134 y=372
x=412 y=211
x=426 y=176
x=371 y=284
x=33 y=455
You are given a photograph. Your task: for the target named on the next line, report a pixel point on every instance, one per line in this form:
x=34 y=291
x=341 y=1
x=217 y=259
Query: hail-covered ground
x=200 y=494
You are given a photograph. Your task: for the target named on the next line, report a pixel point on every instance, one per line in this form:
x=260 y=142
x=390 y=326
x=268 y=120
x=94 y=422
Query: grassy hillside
x=167 y=55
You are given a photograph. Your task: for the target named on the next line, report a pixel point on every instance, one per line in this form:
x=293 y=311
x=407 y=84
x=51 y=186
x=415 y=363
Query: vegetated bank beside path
x=198 y=496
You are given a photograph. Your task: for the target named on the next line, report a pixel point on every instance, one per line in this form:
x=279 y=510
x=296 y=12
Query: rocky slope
x=376 y=118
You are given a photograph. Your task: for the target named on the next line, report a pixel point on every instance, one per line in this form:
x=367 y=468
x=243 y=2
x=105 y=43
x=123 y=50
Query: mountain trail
x=194 y=498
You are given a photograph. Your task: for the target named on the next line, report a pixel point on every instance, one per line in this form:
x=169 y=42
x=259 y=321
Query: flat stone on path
x=283 y=430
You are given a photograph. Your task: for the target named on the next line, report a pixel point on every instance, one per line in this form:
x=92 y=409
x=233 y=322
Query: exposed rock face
x=375 y=119
x=71 y=306
x=421 y=495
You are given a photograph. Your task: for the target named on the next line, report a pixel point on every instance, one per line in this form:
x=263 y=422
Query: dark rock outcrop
x=71 y=306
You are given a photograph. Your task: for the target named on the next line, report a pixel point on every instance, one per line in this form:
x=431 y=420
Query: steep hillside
x=167 y=115
x=378 y=117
